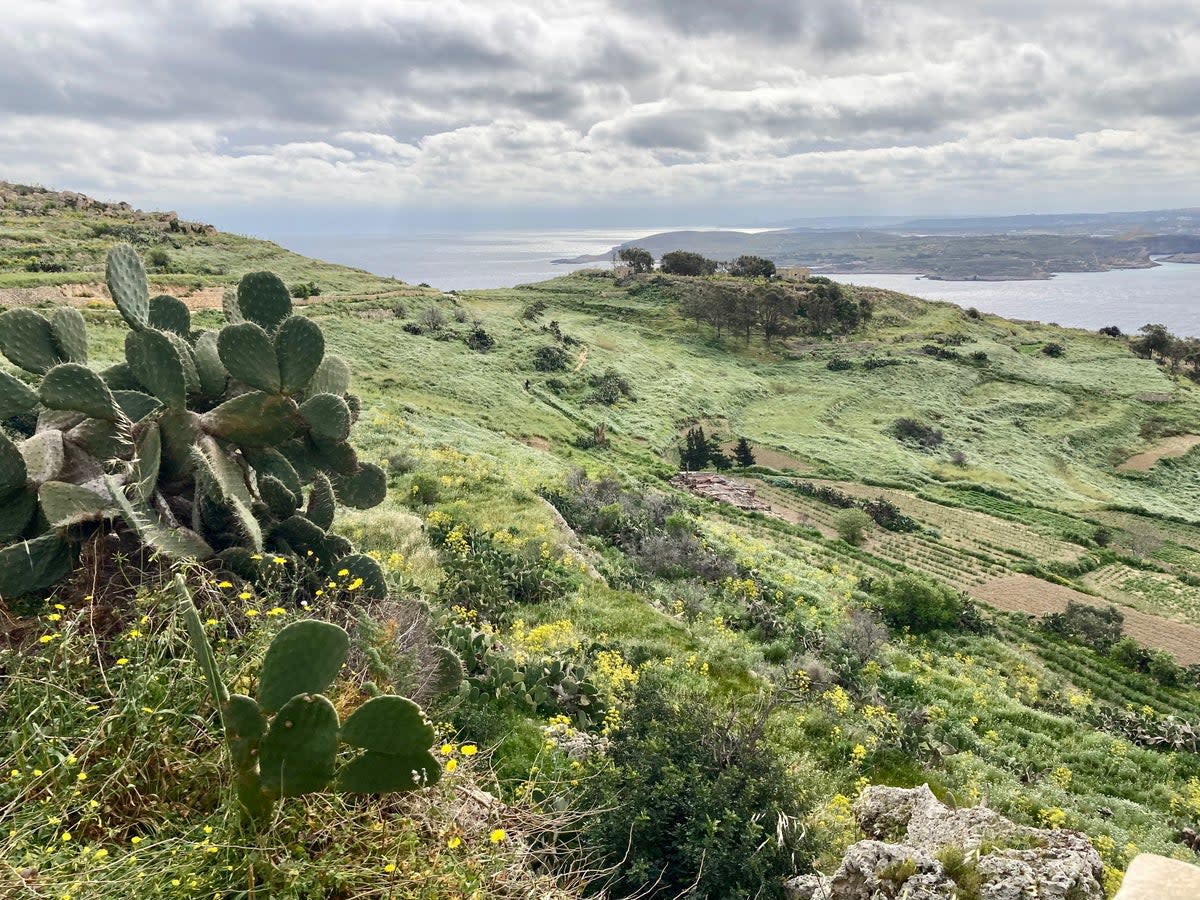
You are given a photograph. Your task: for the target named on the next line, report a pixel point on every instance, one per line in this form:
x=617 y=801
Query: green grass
x=1040 y=438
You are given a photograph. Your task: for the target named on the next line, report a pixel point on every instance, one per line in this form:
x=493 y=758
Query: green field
x=1024 y=482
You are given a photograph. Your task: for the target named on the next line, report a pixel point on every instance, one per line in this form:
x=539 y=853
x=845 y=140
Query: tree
x=1155 y=340
x=743 y=454
x=775 y=310
x=851 y=525
x=752 y=267
x=637 y=259
x=684 y=262
x=696 y=450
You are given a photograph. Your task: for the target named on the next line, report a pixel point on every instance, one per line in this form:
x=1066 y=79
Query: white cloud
x=829 y=106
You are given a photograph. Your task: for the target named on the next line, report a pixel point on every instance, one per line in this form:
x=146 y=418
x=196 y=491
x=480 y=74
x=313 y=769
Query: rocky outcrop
x=921 y=849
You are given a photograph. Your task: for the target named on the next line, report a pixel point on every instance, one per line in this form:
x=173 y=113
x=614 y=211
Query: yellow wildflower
x=469 y=749
x=497 y=836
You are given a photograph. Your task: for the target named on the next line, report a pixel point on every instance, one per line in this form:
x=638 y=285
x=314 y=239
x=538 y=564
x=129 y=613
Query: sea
x=1168 y=294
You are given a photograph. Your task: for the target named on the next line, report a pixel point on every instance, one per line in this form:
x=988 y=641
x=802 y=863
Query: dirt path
x=1167 y=448
x=1024 y=593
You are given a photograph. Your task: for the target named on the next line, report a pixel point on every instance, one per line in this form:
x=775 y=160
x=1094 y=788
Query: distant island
x=976 y=249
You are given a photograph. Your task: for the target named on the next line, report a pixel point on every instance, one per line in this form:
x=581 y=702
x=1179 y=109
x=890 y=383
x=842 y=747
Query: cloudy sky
x=261 y=114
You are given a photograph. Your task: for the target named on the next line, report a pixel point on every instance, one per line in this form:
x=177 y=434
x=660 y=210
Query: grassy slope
x=1042 y=430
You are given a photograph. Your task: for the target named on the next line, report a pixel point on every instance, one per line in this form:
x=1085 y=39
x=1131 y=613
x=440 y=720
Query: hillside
x=985 y=250
x=748 y=688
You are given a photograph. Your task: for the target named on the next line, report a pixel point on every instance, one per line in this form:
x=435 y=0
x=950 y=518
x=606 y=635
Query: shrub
x=880 y=363
x=919 y=604
x=533 y=311
x=912 y=431
x=550 y=359
x=412 y=328
x=159 y=259
x=851 y=525
x=423 y=490
x=972 y=312
x=706 y=809
x=610 y=387
x=305 y=289
x=479 y=340
x=1053 y=349
x=1111 y=331
x=979 y=356
x=432 y=318
x=1095 y=626
x=839 y=364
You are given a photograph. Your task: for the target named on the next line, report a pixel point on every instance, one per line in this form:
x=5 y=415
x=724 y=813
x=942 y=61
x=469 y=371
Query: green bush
x=705 y=809
x=919 y=604
x=423 y=490
x=550 y=359
x=851 y=525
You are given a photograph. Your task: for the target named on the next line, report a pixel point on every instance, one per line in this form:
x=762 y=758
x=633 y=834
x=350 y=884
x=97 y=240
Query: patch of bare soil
x=1024 y=593
x=1167 y=448
x=775 y=459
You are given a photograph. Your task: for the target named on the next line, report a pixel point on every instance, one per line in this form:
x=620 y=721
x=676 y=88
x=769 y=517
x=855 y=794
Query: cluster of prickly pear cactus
x=229 y=443
x=285 y=742
x=545 y=686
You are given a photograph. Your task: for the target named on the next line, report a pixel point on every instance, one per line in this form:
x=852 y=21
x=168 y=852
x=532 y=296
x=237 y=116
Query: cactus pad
x=304 y=658
x=168 y=313
x=388 y=724
x=156 y=364
x=13 y=472
x=229 y=303
x=209 y=368
x=361 y=566
x=16 y=512
x=32 y=566
x=27 y=339
x=383 y=773
x=146 y=461
x=249 y=356
x=303 y=537
x=270 y=462
x=298 y=754
x=16 y=397
x=126 y=279
x=364 y=489
x=322 y=503
x=300 y=347
x=327 y=418
x=98 y=439
x=278 y=498
x=70 y=334
x=72 y=386
x=331 y=377
x=264 y=299
x=66 y=504
x=256 y=419
x=136 y=405
x=44 y=456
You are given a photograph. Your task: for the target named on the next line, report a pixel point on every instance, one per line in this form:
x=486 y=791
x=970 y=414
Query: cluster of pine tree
x=701 y=451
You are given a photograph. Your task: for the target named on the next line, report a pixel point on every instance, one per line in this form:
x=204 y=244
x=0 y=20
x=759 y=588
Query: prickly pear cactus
x=286 y=743
x=229 y=445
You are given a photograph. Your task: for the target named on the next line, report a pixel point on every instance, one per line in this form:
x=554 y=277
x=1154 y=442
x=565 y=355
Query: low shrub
x=919 y=604
x=550 y=359
x=707 y=810
x=912 y=431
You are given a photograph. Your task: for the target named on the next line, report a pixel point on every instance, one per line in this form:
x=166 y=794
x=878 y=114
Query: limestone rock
x=909 y=828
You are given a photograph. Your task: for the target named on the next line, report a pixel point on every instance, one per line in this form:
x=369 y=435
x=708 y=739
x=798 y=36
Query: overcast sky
x=298 y=114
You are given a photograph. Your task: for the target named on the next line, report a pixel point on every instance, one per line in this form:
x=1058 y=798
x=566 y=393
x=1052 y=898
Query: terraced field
x=1026 y=594
x=1146 y=591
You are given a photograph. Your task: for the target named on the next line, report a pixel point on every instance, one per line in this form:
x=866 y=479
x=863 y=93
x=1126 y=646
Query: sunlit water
x=469 y=260
x=1169 y=293
x=1128 y=298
